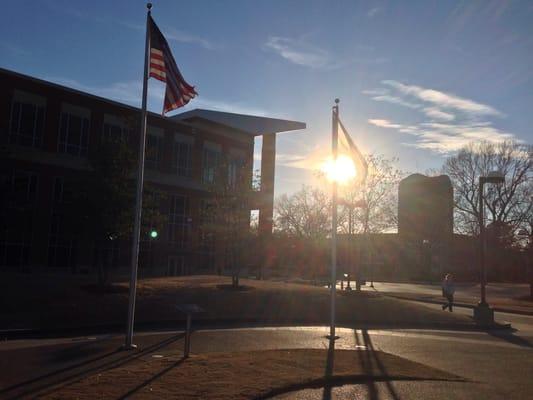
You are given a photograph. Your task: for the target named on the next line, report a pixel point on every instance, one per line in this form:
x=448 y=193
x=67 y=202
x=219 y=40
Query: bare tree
x=226 y=214
x=373 y=205
x=510 y=203
x=306 y=213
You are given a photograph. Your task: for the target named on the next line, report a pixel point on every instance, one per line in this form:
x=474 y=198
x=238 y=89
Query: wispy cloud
x=299 y=52
x=442 y=99
x=446 y=138
x=233 y=107
x=435 y=113
x=183 y=37
x=396 y=100
x=449 y=121
x=175 y=35
x=13 y=49
x=129 y=92
x=373 y=12
x=384 y=123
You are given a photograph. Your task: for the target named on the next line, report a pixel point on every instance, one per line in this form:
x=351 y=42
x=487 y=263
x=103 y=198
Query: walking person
x=448 y=290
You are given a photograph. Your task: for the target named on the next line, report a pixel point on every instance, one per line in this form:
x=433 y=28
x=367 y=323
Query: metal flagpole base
x=332 y=337
x=126 y=347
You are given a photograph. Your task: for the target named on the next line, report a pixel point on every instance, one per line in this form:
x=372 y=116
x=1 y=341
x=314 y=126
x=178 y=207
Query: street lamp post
x=523 y=234
x=483 y=313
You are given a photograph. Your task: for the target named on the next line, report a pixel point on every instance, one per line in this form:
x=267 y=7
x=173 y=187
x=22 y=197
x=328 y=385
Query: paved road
x=497 y=364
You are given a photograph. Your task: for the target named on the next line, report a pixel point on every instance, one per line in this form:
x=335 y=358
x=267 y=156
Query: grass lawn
x=243 y=375
x=57 y=302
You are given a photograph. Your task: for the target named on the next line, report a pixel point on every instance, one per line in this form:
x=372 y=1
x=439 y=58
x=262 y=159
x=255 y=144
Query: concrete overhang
x=250 y=124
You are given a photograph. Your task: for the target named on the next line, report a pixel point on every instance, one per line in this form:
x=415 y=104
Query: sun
x=341 y=171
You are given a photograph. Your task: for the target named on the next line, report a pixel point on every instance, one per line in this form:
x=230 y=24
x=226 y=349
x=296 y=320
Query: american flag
x=164 y=68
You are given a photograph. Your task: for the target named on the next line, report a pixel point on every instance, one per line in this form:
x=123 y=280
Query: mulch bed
x=244 y=375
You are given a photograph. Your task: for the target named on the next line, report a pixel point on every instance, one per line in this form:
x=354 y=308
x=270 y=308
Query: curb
x=48 y=333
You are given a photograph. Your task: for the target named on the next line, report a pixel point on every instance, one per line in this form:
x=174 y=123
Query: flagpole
x=334 y=145
x=138 y=204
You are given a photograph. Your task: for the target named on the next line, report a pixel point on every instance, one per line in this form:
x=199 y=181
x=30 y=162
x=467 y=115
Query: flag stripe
x=164 y=68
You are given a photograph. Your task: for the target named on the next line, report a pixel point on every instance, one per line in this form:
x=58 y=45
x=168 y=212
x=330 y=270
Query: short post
x=187 y=347
x=188 y=310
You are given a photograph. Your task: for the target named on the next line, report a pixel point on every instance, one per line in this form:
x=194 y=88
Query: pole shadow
x=57 y=380
x=328 y=373
x=366 y=366
x=153 y=378
x=509 y=337
x=374 y=354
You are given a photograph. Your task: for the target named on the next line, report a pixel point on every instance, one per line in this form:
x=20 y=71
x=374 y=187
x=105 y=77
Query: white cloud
x=384 y=123
x=443 y=100
x=183 y=37
x=446 y=138
x=435 y=113
x=129 y=92
x=233 y=107
x=396 y=100
x=373 y=12
x=449 y=122
x=299 y=52
x=175 y=35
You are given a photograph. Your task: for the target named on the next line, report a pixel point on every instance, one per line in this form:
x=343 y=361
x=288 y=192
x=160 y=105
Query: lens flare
x=341 y=171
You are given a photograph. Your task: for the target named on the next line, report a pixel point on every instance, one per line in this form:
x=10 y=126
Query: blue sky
x=417 y=80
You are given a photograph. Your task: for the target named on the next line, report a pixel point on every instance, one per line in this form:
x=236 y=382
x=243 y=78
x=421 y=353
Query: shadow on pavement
x=153 y=378
x=329 y=369
x=510 y=338
x=72 y=373
x=370 y=361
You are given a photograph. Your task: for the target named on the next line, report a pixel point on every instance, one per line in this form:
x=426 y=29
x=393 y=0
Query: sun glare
x=341 y=171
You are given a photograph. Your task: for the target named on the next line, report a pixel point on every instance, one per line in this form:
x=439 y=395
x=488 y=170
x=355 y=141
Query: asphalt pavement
x=496 y=364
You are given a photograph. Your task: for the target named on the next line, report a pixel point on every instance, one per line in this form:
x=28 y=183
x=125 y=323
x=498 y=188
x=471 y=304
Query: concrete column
x=268 y=170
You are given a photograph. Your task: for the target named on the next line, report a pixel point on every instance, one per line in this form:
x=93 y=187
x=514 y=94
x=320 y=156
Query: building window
x=183 y=159
x=27 y=120
x=61 y=249
x=235 y=172
x=114 y=129
x=74 y=131
x=154 y=150
x=179 y=221
x=63 y=190
x=115 y=133
x=16 y=218
x=206 y=225
x=211 y=159
x=21 y=188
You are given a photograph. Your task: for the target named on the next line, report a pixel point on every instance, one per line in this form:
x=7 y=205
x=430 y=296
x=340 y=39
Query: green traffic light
x=153 y=234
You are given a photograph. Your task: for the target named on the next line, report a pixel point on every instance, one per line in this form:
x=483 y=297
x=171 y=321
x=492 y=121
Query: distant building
x=425 y=208
x=47 y=132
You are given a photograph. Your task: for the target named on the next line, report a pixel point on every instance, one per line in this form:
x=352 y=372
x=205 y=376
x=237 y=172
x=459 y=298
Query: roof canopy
x=251 y=124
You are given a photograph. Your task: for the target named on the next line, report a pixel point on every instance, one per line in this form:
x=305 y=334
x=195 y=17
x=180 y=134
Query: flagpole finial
x=337 y=101
x=149 y=6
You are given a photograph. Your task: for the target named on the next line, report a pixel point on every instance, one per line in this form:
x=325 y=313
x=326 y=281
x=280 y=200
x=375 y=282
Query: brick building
x=47 y=133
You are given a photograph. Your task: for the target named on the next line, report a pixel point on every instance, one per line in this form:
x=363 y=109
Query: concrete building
x=47 y=134
x=425 y=223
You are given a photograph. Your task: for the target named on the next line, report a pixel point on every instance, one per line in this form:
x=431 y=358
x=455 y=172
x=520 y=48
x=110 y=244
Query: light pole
x=524 y=235
x=483 y=313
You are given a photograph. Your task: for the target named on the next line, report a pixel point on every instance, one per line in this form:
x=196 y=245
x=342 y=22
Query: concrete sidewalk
x=509 y=298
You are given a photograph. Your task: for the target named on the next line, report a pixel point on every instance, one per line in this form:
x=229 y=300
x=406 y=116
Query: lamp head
x=496 y=177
